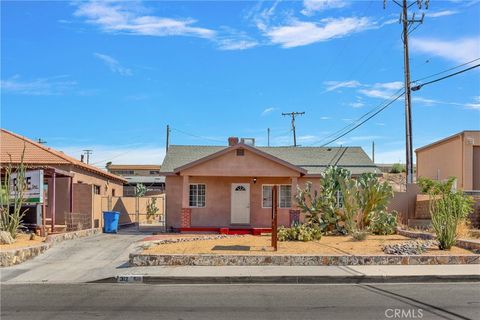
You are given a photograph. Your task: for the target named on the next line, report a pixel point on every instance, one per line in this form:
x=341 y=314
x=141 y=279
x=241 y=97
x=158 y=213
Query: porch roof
x=312 y=159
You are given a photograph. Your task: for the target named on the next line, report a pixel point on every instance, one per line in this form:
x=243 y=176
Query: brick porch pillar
x=186 y=214
x=186 y=218
x=294 y=213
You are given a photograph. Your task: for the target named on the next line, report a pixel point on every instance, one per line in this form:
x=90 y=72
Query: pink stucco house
x=213 y=187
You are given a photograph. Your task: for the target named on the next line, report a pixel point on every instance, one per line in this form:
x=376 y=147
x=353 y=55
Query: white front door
x=240 y=203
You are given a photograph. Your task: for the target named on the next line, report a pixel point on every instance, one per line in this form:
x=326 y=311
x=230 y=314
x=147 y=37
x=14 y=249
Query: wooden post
x=44 y=214
x=274 y=217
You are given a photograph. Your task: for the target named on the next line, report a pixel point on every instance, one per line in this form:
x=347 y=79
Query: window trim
x=278 y=204
x=196 y=184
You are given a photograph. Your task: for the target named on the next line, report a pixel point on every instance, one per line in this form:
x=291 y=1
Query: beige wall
x=218 y=200
x=451 y=158
x=248 y=165
x=84 y=176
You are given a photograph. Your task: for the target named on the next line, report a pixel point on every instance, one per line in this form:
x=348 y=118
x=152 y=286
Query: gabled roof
x=242 y=146
x=312 y=159
x=36 y=154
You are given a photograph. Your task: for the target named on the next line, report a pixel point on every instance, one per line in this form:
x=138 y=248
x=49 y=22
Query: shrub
x=448 y=211
x=359 y=235
x=383 y=222
x=429 y=186
x=299 y=232
x=397 y=168
x=373 y=196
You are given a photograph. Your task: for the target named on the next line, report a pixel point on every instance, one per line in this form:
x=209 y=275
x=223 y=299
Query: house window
x=113 y=192
x=197 y=196
x=96 y=189
x=284 y=196
x=154 y=172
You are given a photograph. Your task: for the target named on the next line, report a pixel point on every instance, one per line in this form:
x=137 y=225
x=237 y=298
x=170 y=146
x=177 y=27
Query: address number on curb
x=130 y=279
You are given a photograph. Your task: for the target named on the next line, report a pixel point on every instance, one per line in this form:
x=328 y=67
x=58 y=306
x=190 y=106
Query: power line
x=196 y=136
x=365 y=120
x=418 y=87
x=449 y=69
x=359 y=119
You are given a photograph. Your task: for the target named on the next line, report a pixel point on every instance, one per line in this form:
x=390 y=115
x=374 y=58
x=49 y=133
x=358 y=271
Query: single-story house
x=212 y=187
x=455 y=156
x=135 y=174
x=69 y=183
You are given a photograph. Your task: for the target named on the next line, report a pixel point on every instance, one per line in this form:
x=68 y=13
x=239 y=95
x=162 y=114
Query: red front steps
x=253 y=231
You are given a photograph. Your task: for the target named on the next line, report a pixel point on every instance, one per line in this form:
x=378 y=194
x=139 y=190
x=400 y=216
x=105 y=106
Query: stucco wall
x=218 y=201
x=453 y=157
x=248 y=165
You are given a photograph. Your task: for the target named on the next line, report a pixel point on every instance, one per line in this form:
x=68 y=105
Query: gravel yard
x=260 y=245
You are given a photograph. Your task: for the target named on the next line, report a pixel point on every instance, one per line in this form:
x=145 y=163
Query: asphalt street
x=143 y=301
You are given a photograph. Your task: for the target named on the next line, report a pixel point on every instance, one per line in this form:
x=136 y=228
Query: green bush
x=397 y=168
x=448 y=211
x=429 y=186
x=299 y=232
x=359 y=235
x=383 y=222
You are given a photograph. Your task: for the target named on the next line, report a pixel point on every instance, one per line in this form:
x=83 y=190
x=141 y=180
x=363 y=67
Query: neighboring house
x=455 y=156
x=148 y=175
x=212 y=187
x=69 y=183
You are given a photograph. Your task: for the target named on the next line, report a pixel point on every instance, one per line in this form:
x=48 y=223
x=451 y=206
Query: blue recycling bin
x=110 y=221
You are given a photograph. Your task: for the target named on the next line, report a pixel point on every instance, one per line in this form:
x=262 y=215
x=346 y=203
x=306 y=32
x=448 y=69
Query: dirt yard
x=260 y=245
x=22 y=240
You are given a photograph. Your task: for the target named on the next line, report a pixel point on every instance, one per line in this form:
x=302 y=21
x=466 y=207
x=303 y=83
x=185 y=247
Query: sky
x=110 y=75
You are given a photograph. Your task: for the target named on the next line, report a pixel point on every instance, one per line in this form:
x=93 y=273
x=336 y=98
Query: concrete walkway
x=81 y=260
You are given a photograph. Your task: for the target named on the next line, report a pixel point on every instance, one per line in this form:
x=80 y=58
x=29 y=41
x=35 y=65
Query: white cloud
x=443 y=13
x=38 y=87
x=310 y=7
x=113 y=64
x=300 y=33
x=268 y=111
x=131 y=18
x=334 y=85
x=357 y=104
x=474 y=105
x=365 y=138
x=382 y=90
x=325 y=118
x=459 y=50
x=130 y=154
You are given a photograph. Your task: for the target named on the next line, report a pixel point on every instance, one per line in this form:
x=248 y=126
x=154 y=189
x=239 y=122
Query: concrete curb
x=292 y=279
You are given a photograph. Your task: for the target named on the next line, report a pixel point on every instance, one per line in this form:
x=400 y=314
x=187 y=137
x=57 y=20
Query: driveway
x=80 y=260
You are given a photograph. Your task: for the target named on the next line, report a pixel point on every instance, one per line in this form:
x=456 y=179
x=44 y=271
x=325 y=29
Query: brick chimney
x=232 y=141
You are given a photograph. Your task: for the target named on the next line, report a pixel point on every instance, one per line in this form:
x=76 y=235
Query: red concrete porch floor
x=226 y=230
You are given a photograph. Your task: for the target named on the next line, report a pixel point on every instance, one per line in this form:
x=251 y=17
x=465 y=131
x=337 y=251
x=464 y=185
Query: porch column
x=294 y=211
x=53 y=199
x=186 y=214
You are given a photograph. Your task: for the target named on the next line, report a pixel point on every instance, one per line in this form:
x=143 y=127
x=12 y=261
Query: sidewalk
x=294 y=274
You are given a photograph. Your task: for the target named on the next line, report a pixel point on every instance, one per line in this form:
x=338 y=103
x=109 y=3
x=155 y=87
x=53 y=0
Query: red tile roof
x=12 y=146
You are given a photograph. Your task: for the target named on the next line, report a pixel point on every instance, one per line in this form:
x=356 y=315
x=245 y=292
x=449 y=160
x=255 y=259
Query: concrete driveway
x=80 y=260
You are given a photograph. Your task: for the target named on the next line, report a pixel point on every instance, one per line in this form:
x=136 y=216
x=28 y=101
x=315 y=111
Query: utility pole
x=268 y=137
x=88 y=152
x=407 y=23
x=293 y=114
x=168 y=137
x=373 y=151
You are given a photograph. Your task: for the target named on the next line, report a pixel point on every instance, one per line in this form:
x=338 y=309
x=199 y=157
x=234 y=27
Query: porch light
x=254 y=180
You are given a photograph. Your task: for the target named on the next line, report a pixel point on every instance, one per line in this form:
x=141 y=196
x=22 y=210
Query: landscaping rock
x=409 y=247
x=6 y=238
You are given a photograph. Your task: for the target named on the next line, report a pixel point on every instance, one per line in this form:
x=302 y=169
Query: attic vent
x=240 y=152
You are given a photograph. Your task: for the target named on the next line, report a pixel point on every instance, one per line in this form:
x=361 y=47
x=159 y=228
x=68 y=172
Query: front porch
x=235 y=205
